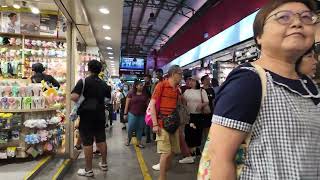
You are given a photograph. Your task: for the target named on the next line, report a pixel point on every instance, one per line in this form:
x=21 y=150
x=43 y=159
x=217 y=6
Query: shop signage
x=237 y=33
x=23 y=21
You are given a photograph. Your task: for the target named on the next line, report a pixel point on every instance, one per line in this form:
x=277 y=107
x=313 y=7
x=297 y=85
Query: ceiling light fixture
x=34 y=8
x=104 y=10
x=16 y=5
x=110 y=48
x=3 y=3
x=111 y=57
x=110 y=53
x=108 y=38
x=106 y=27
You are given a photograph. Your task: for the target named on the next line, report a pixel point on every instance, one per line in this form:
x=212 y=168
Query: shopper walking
x=135 y=110
x=284 y=123
x=206 y=123
x=92 y=116
x=39 y=75
x=167 y=93
x=307 y=65
x=197 y=102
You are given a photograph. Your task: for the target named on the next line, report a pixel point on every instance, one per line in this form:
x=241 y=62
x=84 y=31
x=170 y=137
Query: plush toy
x=7 y=91
x=1 y=91
x=43 y=135
x=15 y=135
x=15 y=91
x=26 y=103
x=4 y=103
x=32 y=139
x=11 y=151
x=54 y=120
x=12 y=103
x=37 y=89
x=22 y=91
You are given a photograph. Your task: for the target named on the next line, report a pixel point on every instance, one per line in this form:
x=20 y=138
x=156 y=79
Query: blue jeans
x=135 y=123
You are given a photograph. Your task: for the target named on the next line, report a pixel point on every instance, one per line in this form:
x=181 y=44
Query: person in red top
x=168 y=92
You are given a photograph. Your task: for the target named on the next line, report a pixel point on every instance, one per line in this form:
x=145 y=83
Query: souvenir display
x=30 y=121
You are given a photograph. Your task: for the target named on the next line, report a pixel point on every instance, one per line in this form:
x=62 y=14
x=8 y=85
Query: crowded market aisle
x=123 y=162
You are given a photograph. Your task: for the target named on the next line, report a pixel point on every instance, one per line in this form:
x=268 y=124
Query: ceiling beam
x=184 y=10
x=155 y=17
x=140 y=20
x=130 y=19
x=168 y=22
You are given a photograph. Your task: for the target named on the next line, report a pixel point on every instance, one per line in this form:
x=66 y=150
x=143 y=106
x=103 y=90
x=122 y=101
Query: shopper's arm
x=75 y=97
x=153 y=113
x=126 y=109
x=222 y=150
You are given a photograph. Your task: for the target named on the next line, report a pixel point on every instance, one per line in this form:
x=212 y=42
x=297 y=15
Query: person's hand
x=156 y=129
x=125 y=117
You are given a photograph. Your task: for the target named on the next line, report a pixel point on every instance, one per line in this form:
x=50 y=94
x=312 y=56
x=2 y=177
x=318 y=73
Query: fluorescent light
x=110 y=53
x=110 y=48
x=111 y=57
x=104 y=10
x=108 y=38
x=35 y=10
x=106 y=27
x=16 y=6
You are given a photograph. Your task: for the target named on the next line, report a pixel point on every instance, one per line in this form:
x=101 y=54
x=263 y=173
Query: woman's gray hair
x=173 y=69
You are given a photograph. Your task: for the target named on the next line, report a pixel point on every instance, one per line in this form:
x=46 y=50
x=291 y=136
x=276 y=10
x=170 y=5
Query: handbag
x=171 y=122
x=148 y=118
x=206 y=109
x=204 y=172
x=74 y=111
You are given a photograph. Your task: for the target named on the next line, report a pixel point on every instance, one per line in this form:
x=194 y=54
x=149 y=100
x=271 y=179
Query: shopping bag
x=114 y=116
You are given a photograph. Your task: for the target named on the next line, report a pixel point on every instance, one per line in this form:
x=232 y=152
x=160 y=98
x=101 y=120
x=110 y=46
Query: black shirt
x=239 y=97
x=94 y=88
x=38 y=77
x=211 y=96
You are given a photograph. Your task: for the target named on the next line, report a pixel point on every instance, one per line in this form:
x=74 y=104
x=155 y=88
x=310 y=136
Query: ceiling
x=89 y=21
x=142 y=34
x=97 y=20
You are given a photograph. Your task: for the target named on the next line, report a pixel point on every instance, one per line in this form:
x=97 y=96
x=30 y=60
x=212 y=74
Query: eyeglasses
x=287 y=17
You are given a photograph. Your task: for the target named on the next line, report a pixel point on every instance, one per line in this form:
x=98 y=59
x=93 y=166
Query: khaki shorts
x=167 y=143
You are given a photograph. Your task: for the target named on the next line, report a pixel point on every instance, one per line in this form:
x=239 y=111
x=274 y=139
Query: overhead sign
x=237 y=33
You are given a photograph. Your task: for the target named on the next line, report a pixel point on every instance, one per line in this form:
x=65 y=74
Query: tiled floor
x=123 y=163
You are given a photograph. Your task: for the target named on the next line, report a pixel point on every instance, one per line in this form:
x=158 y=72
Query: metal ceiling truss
x=130 y=19
x=140 y=20
x=168 y=22
x=145 y=32
x=184 y=10
x=155 y=16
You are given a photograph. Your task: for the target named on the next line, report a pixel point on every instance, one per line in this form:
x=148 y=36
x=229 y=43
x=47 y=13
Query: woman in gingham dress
x=285 y=124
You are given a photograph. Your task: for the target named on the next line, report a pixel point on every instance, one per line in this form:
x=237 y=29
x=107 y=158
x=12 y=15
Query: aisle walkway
x=123 y=162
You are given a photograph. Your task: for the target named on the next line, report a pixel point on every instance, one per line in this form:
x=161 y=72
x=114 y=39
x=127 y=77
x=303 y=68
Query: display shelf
x=27 y=110
x=29 y=36
x=10 y=143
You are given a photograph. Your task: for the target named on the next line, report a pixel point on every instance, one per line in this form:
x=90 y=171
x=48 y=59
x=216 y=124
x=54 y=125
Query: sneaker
x=103 y=167
x=187 y=160
x=83 y=172
x=124 y=128
x=156 y=167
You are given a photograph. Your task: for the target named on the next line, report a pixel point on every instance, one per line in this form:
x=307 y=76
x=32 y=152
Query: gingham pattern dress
x=285 y=143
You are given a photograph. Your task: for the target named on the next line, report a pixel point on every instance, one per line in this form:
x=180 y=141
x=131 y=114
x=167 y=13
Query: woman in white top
x=197 y=100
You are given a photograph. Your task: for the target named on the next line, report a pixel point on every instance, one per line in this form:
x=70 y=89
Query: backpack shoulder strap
x=263 y=78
